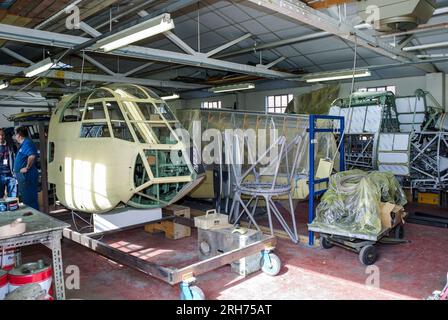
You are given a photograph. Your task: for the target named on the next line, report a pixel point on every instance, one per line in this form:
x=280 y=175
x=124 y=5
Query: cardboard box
x=391 y=215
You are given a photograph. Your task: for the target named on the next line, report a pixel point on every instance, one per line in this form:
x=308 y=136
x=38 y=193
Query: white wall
x=446 y=92
x=255 y=101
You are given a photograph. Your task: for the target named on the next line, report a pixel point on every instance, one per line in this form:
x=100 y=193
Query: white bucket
x=8 y=259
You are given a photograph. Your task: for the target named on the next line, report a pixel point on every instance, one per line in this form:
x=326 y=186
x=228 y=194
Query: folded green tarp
x=352 y=202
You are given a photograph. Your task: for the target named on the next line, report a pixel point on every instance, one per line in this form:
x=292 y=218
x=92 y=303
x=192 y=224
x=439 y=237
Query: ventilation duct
x=396 y=15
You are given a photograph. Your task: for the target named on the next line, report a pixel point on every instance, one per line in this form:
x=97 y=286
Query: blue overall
x=7 y=181
x=28 y=182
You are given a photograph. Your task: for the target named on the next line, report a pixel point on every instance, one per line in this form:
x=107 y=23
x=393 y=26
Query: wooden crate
x=172 y=230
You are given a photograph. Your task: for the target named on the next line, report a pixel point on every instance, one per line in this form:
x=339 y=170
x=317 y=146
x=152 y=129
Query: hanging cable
x=352 y=89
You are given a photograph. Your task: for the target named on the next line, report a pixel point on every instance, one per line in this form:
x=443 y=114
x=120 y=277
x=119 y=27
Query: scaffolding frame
x=313 y=130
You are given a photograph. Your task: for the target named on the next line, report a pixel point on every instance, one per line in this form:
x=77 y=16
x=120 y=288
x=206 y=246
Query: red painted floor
x=406 y=271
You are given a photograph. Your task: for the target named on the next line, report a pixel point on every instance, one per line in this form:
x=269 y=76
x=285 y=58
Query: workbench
x=40 y=229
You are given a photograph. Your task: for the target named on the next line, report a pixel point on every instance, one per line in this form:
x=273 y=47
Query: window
x=378 y=89
x=95 y=130
x=50 y=152
x=119 y=127
x=211 y=105
x=94 y=111
x=72 y=112
x=278 y=104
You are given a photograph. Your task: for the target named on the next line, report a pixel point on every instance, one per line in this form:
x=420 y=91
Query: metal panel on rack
x=393 y=153
x=373 y=119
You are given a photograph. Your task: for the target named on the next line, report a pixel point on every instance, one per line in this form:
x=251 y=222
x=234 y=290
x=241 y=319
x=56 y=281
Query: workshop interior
x=223 y=150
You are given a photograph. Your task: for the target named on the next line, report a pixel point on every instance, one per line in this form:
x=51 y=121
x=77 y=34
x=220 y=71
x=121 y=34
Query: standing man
x=6 y=164
x=25 y=169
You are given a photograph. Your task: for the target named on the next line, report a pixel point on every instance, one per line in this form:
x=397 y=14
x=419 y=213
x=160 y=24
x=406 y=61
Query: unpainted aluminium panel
x=418 y=118
x=409 y=105
x=409 y=128
x=373 y=119
x=393 y=157
x=398 y=170
x=357 y=120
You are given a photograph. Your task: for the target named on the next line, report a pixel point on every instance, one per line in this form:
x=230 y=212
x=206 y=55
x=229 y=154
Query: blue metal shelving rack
x=312 y=181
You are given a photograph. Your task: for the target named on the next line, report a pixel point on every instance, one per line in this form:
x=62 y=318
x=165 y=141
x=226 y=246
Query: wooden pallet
x=172 y=230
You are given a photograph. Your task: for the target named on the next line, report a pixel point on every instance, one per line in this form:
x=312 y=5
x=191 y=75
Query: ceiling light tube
x=136 y=33
x=38 y=68
x=232 y=88
x=330 y=76
x=174 y=96
x=3 y=85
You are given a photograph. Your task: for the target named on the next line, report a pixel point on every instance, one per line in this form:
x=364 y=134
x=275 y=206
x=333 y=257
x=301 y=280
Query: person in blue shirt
x=25 y=169
x=7 y=181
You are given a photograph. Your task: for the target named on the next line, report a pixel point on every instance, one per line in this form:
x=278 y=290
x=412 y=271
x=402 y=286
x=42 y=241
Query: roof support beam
x=53 y=39
x=89 y=30
x=68 y=75
x=227 y=45
x=273 y=63
x=299 y=11
x=139 y=68
x=15 y=55
x=180 y=43
x=98 y=65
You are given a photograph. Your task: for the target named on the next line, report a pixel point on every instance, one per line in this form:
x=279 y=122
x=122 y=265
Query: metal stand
x=41 y=229
x=312 y=179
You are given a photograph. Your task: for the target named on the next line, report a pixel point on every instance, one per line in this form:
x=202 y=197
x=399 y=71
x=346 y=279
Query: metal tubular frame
x=268 y=190
x=169 y=275
x=312 y=181
x=435 y=179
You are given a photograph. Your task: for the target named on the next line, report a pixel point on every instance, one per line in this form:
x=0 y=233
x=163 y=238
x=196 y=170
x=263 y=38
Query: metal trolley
x=364 y=245
x=185 y=276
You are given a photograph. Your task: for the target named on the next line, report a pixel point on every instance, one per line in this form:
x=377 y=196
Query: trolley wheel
x=399 y=232
x=324 y=243
x=196 y=293
x=272 y=266
x=368 y=255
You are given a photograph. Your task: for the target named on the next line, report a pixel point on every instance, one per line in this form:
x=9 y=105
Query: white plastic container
x=8 y=259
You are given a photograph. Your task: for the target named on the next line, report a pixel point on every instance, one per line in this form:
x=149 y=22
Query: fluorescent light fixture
x=136 y=33
x=3 y=85
x=234 y=87
x=337 y=75
x=174 y=96
x=38 y=68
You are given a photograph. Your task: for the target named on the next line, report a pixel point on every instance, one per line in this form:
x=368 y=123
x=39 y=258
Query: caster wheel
x=196 y=292
x=271 y=267
x=368 y=255
x=399 y=232
x=325 y=244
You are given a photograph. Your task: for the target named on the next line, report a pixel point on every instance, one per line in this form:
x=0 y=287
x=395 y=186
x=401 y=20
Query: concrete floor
x=406 y=271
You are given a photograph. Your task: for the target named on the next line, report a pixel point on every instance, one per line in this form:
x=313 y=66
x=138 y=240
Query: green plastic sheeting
x=352 y=202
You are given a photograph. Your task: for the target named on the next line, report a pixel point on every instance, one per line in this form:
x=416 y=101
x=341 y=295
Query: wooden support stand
x=172 y=230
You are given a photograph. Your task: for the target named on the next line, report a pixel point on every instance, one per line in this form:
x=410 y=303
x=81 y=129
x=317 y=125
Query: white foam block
x=120 y=218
